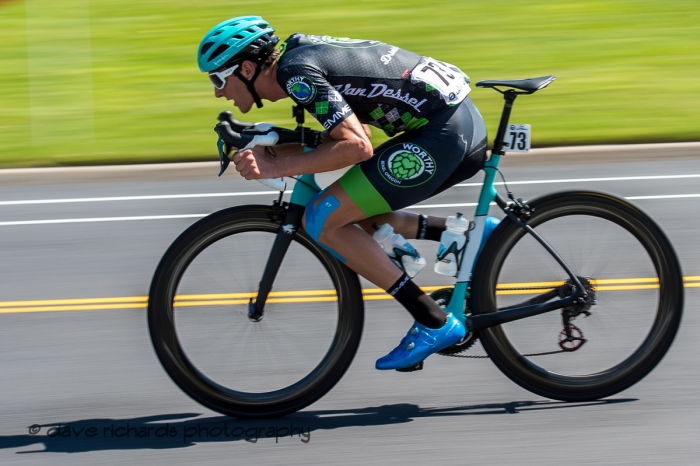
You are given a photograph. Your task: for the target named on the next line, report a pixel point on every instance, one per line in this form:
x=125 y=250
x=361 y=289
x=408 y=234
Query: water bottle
x=398 y=249
x=452 y=244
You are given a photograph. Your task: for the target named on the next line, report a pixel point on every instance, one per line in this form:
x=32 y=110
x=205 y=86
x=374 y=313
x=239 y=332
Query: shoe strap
x=421 y=335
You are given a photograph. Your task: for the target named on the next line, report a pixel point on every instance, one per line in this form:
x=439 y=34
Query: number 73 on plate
x=517 y=138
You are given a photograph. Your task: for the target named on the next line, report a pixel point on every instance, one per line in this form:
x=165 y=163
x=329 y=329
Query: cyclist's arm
x=346 y=142
x=347 y=145
x=365 y=127
x=286 y=149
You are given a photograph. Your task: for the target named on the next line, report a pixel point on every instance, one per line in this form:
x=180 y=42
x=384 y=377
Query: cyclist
x=345 y=84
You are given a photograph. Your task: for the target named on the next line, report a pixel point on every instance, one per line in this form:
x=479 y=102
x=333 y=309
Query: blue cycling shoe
x=420 y=342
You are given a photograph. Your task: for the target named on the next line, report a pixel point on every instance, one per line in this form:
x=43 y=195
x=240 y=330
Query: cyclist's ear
x=248 y=68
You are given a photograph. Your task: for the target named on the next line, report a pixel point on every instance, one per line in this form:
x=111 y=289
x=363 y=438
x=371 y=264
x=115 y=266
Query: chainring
x=442 y=298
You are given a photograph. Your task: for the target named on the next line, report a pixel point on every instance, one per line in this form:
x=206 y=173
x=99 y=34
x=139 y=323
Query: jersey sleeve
x=310 y=89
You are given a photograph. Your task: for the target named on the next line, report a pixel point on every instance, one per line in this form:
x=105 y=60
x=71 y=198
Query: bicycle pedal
x=416 y=367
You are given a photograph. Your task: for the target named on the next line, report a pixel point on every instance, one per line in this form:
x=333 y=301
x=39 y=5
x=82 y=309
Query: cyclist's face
x=236 y=90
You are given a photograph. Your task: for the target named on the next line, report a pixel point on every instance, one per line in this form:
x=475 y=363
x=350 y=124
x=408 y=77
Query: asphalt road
x=89 y=381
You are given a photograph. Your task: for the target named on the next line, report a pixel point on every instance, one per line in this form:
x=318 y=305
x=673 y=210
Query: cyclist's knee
x=317 y=212
x=316 y=219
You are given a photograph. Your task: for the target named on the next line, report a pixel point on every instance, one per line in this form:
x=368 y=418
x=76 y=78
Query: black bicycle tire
x=196 y=385
x=636 y=366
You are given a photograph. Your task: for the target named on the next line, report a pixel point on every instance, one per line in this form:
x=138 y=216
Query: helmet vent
x=238 y=36
x=206 y=47
x=221 y=49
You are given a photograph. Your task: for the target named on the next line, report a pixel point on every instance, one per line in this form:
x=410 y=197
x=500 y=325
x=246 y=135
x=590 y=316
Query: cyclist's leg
x=329 y=219
x=408 y=224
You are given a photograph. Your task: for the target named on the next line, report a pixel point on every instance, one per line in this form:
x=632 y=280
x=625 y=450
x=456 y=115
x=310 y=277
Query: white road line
x=102 y=219
x=170 y=217
x=668 y=196
x=587 y=180
x=267 y=193
x=135 y=198
x=437 y=206
x=630 y=198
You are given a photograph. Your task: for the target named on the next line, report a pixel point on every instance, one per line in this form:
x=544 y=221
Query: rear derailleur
x=571 y=338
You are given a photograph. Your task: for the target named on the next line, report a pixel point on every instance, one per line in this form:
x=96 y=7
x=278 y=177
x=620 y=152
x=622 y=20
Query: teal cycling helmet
x=235 y=40
x=242 y=35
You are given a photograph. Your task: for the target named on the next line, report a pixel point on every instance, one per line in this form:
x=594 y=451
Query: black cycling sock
x=430 y=227
x=423 y=309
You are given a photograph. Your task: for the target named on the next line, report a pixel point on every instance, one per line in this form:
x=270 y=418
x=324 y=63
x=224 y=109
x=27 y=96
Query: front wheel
x=199 y=325
x=592 y=350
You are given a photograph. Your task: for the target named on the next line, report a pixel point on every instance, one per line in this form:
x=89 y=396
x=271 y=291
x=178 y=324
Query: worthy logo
x=301 y=88
x=406 y=165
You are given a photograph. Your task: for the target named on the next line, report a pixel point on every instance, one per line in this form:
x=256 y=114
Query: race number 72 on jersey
x=451 y=83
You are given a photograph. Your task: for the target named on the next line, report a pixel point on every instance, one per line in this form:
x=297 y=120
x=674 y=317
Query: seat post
x=509 y=96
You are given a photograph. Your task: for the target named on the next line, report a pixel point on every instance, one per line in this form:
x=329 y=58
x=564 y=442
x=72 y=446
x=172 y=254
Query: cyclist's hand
x=253 y=163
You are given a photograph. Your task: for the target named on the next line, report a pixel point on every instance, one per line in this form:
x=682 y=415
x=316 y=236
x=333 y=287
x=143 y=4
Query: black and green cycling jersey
x=383 y=85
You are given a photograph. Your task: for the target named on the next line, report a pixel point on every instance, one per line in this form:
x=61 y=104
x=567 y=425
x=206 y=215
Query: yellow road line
x=614 y=281
x=274 y=294
x=226 y=302
x=528 y=284
x=96 y=307
x=627 y=287
x=62 y=302
x=300 y=296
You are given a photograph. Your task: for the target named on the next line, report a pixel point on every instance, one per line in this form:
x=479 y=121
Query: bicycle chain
x=486 y=356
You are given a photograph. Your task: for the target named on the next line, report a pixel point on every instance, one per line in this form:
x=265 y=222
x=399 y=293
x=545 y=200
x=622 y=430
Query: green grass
x=97 y=81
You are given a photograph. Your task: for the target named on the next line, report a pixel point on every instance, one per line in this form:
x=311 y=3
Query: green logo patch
x=406 y=165
x=301 y=88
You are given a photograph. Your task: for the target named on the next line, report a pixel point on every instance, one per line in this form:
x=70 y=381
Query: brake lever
x=229 y=139
x=224 y=160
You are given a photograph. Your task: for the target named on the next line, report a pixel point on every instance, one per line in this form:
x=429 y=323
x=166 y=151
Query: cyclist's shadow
x=188 y=429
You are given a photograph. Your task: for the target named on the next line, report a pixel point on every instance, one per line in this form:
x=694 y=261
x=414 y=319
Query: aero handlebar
x=241 y=136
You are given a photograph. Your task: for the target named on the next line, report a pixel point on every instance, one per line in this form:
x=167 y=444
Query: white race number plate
x=452 y=84
x=517 y=138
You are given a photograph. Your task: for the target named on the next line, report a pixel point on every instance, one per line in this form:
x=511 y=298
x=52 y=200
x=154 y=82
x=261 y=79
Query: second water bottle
x=398 y=249
x=452 y=244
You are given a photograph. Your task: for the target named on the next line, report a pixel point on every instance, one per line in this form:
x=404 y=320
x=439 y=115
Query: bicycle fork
x=304 y=190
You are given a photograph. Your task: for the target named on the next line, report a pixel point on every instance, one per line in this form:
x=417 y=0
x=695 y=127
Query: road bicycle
x=251 y=317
